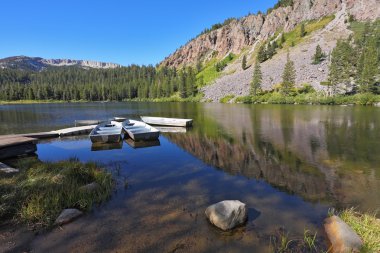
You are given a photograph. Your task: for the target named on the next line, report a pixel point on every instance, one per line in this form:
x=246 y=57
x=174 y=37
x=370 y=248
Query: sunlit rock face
x=242 y=33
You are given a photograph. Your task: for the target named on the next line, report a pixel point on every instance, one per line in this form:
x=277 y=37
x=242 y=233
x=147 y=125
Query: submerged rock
x=67 y=216
x=227 y=214
x=90 y=187
x=342 y=237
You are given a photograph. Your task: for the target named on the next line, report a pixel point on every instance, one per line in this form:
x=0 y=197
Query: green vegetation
x=275 y=97
x=269 y=49
x=288 y=77
x=41 y=191
x=217 y=26
x=281 y=3
x=226 y=99
x=73 y=84
x=244 y=62
x=294 y=37
x=256 y=80
x=319 y=55
x=212 y=70
x=357 y=59
x=366 y=226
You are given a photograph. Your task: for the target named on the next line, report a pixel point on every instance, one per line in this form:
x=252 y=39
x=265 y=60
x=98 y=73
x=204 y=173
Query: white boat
x=167 y=121
x=140 y=131
x=107 y=132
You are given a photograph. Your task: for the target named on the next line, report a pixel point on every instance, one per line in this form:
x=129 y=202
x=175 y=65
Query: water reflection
x=328 y=154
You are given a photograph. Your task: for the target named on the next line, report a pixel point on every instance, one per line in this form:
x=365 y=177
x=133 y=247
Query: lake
x=289 y=164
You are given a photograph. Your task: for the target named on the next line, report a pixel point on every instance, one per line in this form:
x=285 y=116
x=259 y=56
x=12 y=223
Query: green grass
x=293 y=37
x=209 y=73
x=310 y=98
x=41 y=191
x=174 y=98
x=367 y=226
x=226 y=99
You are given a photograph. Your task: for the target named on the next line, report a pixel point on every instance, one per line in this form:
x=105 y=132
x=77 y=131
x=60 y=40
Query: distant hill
x=38 y=64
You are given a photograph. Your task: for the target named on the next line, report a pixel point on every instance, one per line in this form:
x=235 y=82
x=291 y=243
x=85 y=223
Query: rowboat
x=140 y=131
x=107 y=132
x=167 y=121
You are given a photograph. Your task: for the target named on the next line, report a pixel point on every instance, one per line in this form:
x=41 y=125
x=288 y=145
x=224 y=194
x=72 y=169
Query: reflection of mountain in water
x=316 y=153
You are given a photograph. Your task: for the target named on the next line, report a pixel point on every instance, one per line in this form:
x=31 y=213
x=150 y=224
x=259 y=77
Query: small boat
x=119 y=119
x=140 y=131
x=167 y=121
x=107 y=132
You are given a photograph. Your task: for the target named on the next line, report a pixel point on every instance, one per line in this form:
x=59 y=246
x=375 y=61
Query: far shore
x=267 y=98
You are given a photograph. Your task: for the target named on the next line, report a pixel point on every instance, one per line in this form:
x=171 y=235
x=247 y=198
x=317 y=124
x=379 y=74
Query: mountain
x=38 y=64
x=326 y=20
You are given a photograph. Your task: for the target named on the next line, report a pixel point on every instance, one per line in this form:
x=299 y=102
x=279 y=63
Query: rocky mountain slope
x=246 y=34
x=38 y=64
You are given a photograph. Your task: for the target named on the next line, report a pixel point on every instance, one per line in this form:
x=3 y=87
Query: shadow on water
x=289 y=164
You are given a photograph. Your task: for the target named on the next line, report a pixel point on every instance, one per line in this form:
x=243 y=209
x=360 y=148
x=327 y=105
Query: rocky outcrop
x=243 y=33
x=227 y=214
x=342 y=238
x=38 y=63
x=67 y=216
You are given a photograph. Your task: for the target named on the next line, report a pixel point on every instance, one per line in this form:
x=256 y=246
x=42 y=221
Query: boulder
x=343 y=239
x=67 y=216
x=227 y=214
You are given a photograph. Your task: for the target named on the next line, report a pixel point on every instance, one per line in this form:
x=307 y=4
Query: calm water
x=290 y=164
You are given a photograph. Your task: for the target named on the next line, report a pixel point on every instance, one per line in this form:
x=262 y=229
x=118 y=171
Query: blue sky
x=125 y=32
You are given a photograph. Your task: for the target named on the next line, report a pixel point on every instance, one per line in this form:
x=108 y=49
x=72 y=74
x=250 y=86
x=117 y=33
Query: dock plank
x=14 y=140
x=75 y=130
x=7 y=169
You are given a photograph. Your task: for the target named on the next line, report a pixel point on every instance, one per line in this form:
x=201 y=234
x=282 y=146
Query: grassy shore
x=310 y=98
x=49 y=101
x=40 y=191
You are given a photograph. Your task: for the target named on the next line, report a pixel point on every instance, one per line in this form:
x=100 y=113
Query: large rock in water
x=343 y=239
x=227 y=214
x=67 y=215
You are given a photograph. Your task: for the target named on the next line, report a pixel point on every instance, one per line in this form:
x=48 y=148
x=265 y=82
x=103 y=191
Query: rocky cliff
x=245 y=32
x=38 y=64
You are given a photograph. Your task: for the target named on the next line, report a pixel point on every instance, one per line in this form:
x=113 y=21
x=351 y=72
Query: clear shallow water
x=288 y=163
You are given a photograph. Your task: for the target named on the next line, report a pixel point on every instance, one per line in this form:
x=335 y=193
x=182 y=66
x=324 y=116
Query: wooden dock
x=16 y=145
x=74 y=130
x=7 y=169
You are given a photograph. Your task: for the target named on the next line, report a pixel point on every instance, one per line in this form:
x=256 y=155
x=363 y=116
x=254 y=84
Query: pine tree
x=341 y=67
x=370 y=69
x=288 y=76
x=262 y=54
x=257 y=79
x=319 y=56
x=303 y=31
x=244 y=62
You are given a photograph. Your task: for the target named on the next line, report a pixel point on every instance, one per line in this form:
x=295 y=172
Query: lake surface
x=289 y=164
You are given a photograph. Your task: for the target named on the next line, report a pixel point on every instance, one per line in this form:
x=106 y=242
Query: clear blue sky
x=125 y=32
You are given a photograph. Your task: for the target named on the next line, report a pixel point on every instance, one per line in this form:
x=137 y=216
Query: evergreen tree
x=319 y=56
x=257 y=79
x=341 y=67
x=288 y=76
x=244 y=62
x=370 y=69
x=262 y=54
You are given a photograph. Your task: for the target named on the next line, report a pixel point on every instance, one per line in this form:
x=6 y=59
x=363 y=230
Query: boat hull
x=140 y=131
x=107 y=132
x=159 y=121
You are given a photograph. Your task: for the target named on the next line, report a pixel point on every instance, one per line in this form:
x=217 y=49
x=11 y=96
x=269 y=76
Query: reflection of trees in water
x=268 y=164
x=319 y=153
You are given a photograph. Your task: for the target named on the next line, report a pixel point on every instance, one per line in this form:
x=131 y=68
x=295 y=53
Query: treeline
x=71 y=83
x=355 y=62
